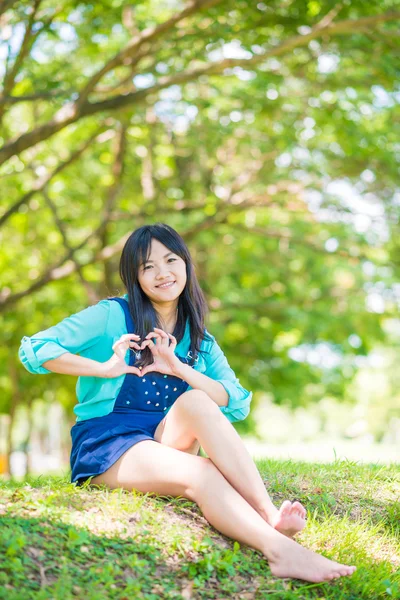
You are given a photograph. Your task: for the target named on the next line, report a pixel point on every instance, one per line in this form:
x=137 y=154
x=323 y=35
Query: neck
x=168 y=314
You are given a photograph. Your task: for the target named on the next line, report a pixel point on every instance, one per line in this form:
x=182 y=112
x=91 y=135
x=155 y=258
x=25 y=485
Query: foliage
x=265 y=133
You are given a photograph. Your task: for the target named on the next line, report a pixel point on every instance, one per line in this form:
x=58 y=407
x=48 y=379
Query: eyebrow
x=148 y=261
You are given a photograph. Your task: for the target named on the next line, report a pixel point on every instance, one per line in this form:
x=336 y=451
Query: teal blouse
x=92 y=332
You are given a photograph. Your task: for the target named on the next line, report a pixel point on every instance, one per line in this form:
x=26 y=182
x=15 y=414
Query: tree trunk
x=12 y=369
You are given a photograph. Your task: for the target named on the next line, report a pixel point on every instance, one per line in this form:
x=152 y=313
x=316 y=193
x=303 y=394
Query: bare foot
x=290 y=518
x=292 y=560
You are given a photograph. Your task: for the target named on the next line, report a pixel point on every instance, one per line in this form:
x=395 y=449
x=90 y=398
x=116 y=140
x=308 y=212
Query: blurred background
x=268 y=135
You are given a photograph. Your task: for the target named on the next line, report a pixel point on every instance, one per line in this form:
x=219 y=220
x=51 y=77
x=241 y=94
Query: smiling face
x=163 y=277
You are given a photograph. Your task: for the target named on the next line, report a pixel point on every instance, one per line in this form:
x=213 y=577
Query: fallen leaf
x=135 y=517
x=186 y=591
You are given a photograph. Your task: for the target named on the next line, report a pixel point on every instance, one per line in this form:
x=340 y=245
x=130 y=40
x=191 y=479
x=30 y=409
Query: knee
x=197 y=402
x=203 y=478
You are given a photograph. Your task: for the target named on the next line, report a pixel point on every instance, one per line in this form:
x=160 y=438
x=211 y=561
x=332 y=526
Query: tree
x=248 y=127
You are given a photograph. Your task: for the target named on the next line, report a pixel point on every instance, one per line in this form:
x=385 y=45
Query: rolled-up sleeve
x=217 y=368
x=74 y=334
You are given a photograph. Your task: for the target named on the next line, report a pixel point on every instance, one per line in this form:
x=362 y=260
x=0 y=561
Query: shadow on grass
x=45 y=558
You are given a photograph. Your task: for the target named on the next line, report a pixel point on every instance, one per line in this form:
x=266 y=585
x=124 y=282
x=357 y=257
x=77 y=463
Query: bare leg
x=195 y=416
x=152 y=467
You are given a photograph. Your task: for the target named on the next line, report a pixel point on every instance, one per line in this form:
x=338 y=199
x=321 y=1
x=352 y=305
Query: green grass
x=60 y=542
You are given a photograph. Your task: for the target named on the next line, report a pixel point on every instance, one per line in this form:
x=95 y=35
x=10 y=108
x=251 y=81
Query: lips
x=166 y=285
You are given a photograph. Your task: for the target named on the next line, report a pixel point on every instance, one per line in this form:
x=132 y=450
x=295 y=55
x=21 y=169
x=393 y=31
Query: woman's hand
x=165 y=360
x=116 y=365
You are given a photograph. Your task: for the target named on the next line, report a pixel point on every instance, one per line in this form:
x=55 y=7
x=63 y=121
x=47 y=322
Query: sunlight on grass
x=59 y=541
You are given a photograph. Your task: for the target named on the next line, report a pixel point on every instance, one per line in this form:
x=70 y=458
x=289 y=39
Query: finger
x=147 y=369
x=135 y=345
x=149 y=343
x=129 y=336
x=152 y=347
x=152 y=334
x=155 y=336
x=163 y=335
x=134 y=371
x=172 y=340
x=160 y=332
x=121 y=345
x=125 y=339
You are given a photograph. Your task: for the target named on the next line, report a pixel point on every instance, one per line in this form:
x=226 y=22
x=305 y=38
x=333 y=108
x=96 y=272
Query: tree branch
x=145 y=37
x=91 y=293
x=9 y=77
x=43 y=182
x=32 y=97
x=6 y=5
x=273 y=233
x=112 y=195
x=66 y=266
x=61 y=269
x=69 y=113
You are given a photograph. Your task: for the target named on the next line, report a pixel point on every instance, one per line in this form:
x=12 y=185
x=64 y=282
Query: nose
x=163 y=273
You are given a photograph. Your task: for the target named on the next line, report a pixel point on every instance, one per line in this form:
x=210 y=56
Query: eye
x=150 y=266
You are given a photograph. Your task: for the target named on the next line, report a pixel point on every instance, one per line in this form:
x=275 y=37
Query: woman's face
x=163 y=277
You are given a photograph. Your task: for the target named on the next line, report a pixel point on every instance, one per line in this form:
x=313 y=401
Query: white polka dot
x=166 y=387
x=166 y=397
x=154 y=383
x=157 y=404
x=158 y=393
x=165 y=408
x=148 y=401
x=146 y=392
x=143 y=380
x=127 y=402
x=165 y=376
x=175 y=389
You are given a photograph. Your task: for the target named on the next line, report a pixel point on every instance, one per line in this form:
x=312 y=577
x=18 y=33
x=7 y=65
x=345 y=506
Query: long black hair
x=191 y=304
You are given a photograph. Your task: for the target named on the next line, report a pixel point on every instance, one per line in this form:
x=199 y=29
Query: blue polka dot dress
x=141 y=404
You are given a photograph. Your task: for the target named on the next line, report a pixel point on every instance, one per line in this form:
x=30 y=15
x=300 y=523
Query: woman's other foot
x=290 y=518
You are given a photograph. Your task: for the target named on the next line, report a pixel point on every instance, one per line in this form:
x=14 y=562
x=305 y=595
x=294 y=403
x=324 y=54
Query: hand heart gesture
x=162 y=350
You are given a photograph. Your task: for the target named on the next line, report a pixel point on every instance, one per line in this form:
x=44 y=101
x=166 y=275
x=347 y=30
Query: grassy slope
x=61 y=542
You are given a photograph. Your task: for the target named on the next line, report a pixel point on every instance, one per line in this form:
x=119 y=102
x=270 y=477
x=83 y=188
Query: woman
x=141 y=418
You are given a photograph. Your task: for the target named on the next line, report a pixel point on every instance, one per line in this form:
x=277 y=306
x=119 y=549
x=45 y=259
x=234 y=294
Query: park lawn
x=59 y=542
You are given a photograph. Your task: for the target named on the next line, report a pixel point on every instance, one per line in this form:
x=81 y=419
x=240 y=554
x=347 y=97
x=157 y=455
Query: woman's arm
x=71 y=364
x=114 y=367
x=198 y=381
x=72 y=335
x=234 y=400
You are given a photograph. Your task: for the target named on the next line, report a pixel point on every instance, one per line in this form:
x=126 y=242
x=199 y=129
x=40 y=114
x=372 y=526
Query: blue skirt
x=99 y=442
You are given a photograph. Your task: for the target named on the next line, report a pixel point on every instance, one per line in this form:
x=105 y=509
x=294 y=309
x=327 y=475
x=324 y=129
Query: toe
x=300 y=509
x=286 y=507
